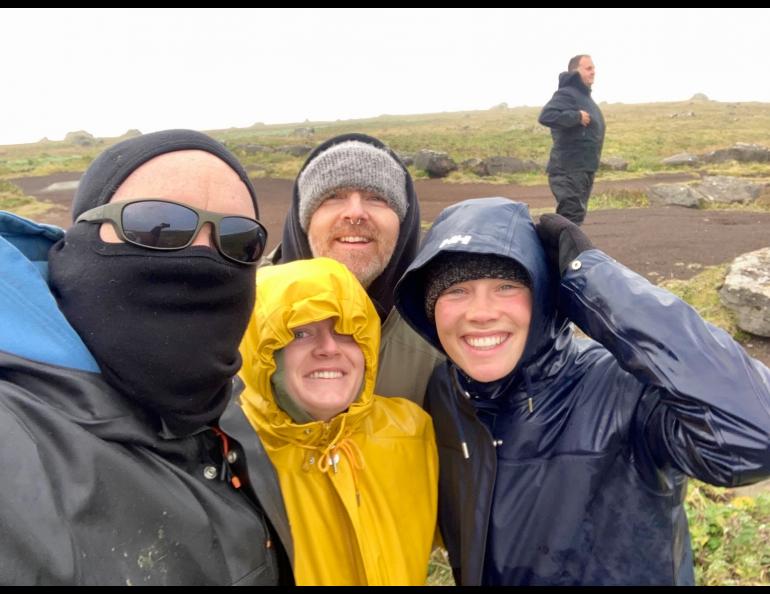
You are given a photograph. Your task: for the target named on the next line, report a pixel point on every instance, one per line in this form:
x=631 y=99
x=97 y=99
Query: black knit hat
x=113 y=166
x=449 y=268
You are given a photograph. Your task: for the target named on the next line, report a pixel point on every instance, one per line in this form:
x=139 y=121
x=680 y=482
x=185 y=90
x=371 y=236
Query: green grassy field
x=642 y=134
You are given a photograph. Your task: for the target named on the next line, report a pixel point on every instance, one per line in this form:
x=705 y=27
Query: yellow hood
x=296 y=294
x=361 y=490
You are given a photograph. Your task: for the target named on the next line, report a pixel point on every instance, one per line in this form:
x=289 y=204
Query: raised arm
x=706 y=404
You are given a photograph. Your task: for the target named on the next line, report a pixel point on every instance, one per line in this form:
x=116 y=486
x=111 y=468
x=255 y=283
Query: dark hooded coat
x=575 y=147
x=97 y=490
x=576 y=473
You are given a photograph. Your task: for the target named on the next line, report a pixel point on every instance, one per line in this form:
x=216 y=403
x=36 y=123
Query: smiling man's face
x=358 y=228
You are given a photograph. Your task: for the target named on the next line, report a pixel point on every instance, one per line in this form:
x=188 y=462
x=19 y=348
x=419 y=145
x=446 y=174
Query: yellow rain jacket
x=361 y=490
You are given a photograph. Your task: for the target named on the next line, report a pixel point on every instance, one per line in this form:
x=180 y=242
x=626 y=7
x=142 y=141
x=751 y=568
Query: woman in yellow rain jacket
x=358 y=472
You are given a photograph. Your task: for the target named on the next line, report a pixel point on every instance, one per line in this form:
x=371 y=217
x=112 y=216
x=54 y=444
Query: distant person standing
x=577 y=128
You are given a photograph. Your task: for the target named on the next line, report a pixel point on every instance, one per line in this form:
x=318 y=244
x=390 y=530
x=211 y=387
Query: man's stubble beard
x=365 y=267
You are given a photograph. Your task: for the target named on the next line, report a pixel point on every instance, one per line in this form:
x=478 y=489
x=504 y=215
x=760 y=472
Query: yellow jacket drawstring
x=355 y=458
x=330 y=457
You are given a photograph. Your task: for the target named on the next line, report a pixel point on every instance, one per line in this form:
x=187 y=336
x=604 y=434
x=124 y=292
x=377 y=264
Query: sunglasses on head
x=167 y=225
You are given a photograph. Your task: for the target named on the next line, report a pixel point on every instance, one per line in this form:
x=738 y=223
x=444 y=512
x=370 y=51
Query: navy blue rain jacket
x=91 y=493
x=575 y=147
x=577 y=474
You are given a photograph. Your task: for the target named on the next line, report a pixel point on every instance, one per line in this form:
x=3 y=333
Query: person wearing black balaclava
x=120 y=422
x=354 y=201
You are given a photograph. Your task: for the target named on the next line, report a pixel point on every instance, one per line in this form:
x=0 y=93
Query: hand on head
x=562 y=240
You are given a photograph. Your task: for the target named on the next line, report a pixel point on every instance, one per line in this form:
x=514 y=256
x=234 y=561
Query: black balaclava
x=164 y=326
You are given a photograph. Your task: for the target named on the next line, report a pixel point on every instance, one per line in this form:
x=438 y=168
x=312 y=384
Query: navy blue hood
x=485 y=226
x=572 y=79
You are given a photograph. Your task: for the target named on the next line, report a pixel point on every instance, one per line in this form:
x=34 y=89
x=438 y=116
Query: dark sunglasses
x=167 y=225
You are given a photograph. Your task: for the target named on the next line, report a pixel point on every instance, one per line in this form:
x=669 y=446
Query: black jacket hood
x=572 y=79
x=295 y=246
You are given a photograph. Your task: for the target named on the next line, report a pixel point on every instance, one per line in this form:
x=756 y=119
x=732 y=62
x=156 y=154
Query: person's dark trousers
x=571 y=190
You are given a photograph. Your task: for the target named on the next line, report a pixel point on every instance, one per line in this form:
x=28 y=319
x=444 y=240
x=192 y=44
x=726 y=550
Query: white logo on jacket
x=463 y=239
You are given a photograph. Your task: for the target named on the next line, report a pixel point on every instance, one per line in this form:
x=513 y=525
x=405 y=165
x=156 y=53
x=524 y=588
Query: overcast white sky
x=110 y=70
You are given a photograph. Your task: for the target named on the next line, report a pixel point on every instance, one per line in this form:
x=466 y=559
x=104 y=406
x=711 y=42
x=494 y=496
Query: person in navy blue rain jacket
x=577 y=128
x=565 y=461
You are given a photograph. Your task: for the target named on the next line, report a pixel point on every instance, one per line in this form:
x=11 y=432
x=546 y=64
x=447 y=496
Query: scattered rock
x=682 y=159
x=80 y=138
x=296 y=150
x=614 y=164
x=434 y=163
x=501 y=165
x=253 y=149
x=727 y=190
x=675 y=195
x=747 y=291
x=718 y=188
x=740 y=151
x=406 y=158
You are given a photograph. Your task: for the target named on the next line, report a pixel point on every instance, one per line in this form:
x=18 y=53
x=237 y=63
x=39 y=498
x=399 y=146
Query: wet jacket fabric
x=92 y=493
x=361 y=489
x=577 y=473
x=406 y=361
x=575 y=147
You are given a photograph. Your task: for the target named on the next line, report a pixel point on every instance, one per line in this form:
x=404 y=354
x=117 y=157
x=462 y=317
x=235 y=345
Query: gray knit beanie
x=351 y=164
x=449 y=268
